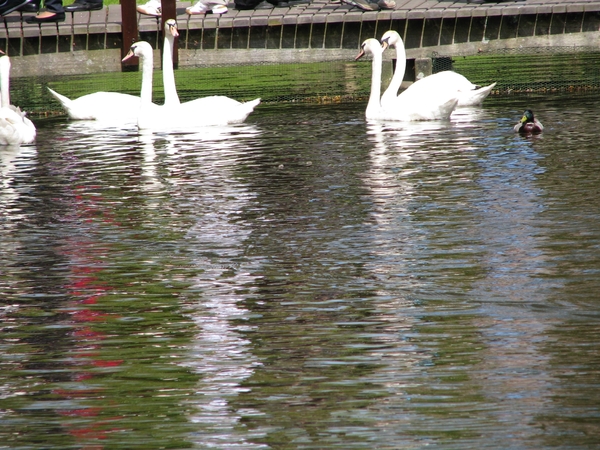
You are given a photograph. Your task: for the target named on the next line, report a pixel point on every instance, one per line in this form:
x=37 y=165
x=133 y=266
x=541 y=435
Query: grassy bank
x=321 y=82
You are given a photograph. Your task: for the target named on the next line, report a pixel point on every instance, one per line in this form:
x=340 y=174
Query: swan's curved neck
x=171 y=97
x=374 y=105
x=4 y=82
x=146 y=92
x=391 y=92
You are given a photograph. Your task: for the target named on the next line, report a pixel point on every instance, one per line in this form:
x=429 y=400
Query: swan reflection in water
x=206 y=167
x=13 y=160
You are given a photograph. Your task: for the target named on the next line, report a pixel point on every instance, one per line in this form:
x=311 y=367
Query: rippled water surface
x=305 y=280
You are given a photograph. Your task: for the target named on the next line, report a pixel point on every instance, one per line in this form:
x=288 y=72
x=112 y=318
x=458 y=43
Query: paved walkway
x=108 y=20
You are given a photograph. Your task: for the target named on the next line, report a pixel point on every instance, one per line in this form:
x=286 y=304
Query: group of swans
x=111 y=106
x=15 y=127
x=431 y=98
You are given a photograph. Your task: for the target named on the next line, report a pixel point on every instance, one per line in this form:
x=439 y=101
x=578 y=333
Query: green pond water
x=305 y=281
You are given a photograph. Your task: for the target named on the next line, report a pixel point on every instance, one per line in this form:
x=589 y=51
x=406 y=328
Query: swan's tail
x=245 y=109
x=73 y=111
x=61 y=98
x=249 y=106
x=475 y=97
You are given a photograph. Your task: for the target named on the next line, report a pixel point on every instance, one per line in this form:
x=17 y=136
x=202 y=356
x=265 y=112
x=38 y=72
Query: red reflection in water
x=87 y=289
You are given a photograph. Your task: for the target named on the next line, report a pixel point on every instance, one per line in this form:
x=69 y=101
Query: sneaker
x=152 y=8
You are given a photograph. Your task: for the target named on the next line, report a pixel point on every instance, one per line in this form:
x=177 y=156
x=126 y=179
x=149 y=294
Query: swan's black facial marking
x=130 y=53
x=385 y=43
x=171 y=24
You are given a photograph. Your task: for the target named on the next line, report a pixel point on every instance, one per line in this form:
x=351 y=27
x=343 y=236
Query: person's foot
x=8 y=6
x=151 y=8
x=31 y=7
x=82 y=5
x=47 y=16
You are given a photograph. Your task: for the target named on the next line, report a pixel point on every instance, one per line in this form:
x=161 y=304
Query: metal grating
x=515 y=71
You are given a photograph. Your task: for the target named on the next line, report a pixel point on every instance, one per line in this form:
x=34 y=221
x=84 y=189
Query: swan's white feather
x=410 y=106
x=174 y=115
x=440 y=83
x=103 y=106
x=15 y=127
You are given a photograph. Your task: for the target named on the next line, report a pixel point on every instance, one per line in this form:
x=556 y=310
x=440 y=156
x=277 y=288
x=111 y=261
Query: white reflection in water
x=394 y=238
x=219 y=353
x=505 y=208
x=13 y=161
x=515 y=371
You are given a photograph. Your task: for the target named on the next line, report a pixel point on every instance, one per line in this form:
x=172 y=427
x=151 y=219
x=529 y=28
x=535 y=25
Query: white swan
x=15 y=127
x=212 y=110
x=469 y=94
x=406 y=107
x=118 y=107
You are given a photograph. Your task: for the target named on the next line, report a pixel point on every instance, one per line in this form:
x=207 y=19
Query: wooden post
x=423 y=68
x=169 y=11
x=130 y=33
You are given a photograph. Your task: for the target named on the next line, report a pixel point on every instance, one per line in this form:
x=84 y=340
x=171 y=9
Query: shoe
x=151 y=8
x=56 y=17
x=31 y=7
x=362 y=4
x=386 y=4
x=264 y=5
x=206 y=7
x=83 y=6
x=9 y=6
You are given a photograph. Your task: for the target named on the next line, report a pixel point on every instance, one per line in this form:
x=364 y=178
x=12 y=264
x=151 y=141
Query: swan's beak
x=173 y=30
x=360 y=55
x=385 y=44
x=129 y=54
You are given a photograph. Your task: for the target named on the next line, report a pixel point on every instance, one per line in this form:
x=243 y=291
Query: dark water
x=305 y=281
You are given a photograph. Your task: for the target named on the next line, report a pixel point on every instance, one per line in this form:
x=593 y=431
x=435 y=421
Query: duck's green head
x=527 y=116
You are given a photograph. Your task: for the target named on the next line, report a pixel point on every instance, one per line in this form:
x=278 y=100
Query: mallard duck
x=528 y=124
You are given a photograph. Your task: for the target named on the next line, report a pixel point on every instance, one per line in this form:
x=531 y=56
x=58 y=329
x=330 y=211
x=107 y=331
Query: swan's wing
x=419 y=103
x=13 y=129
x=469 y=94
x=206 y=111
x=215 y=110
